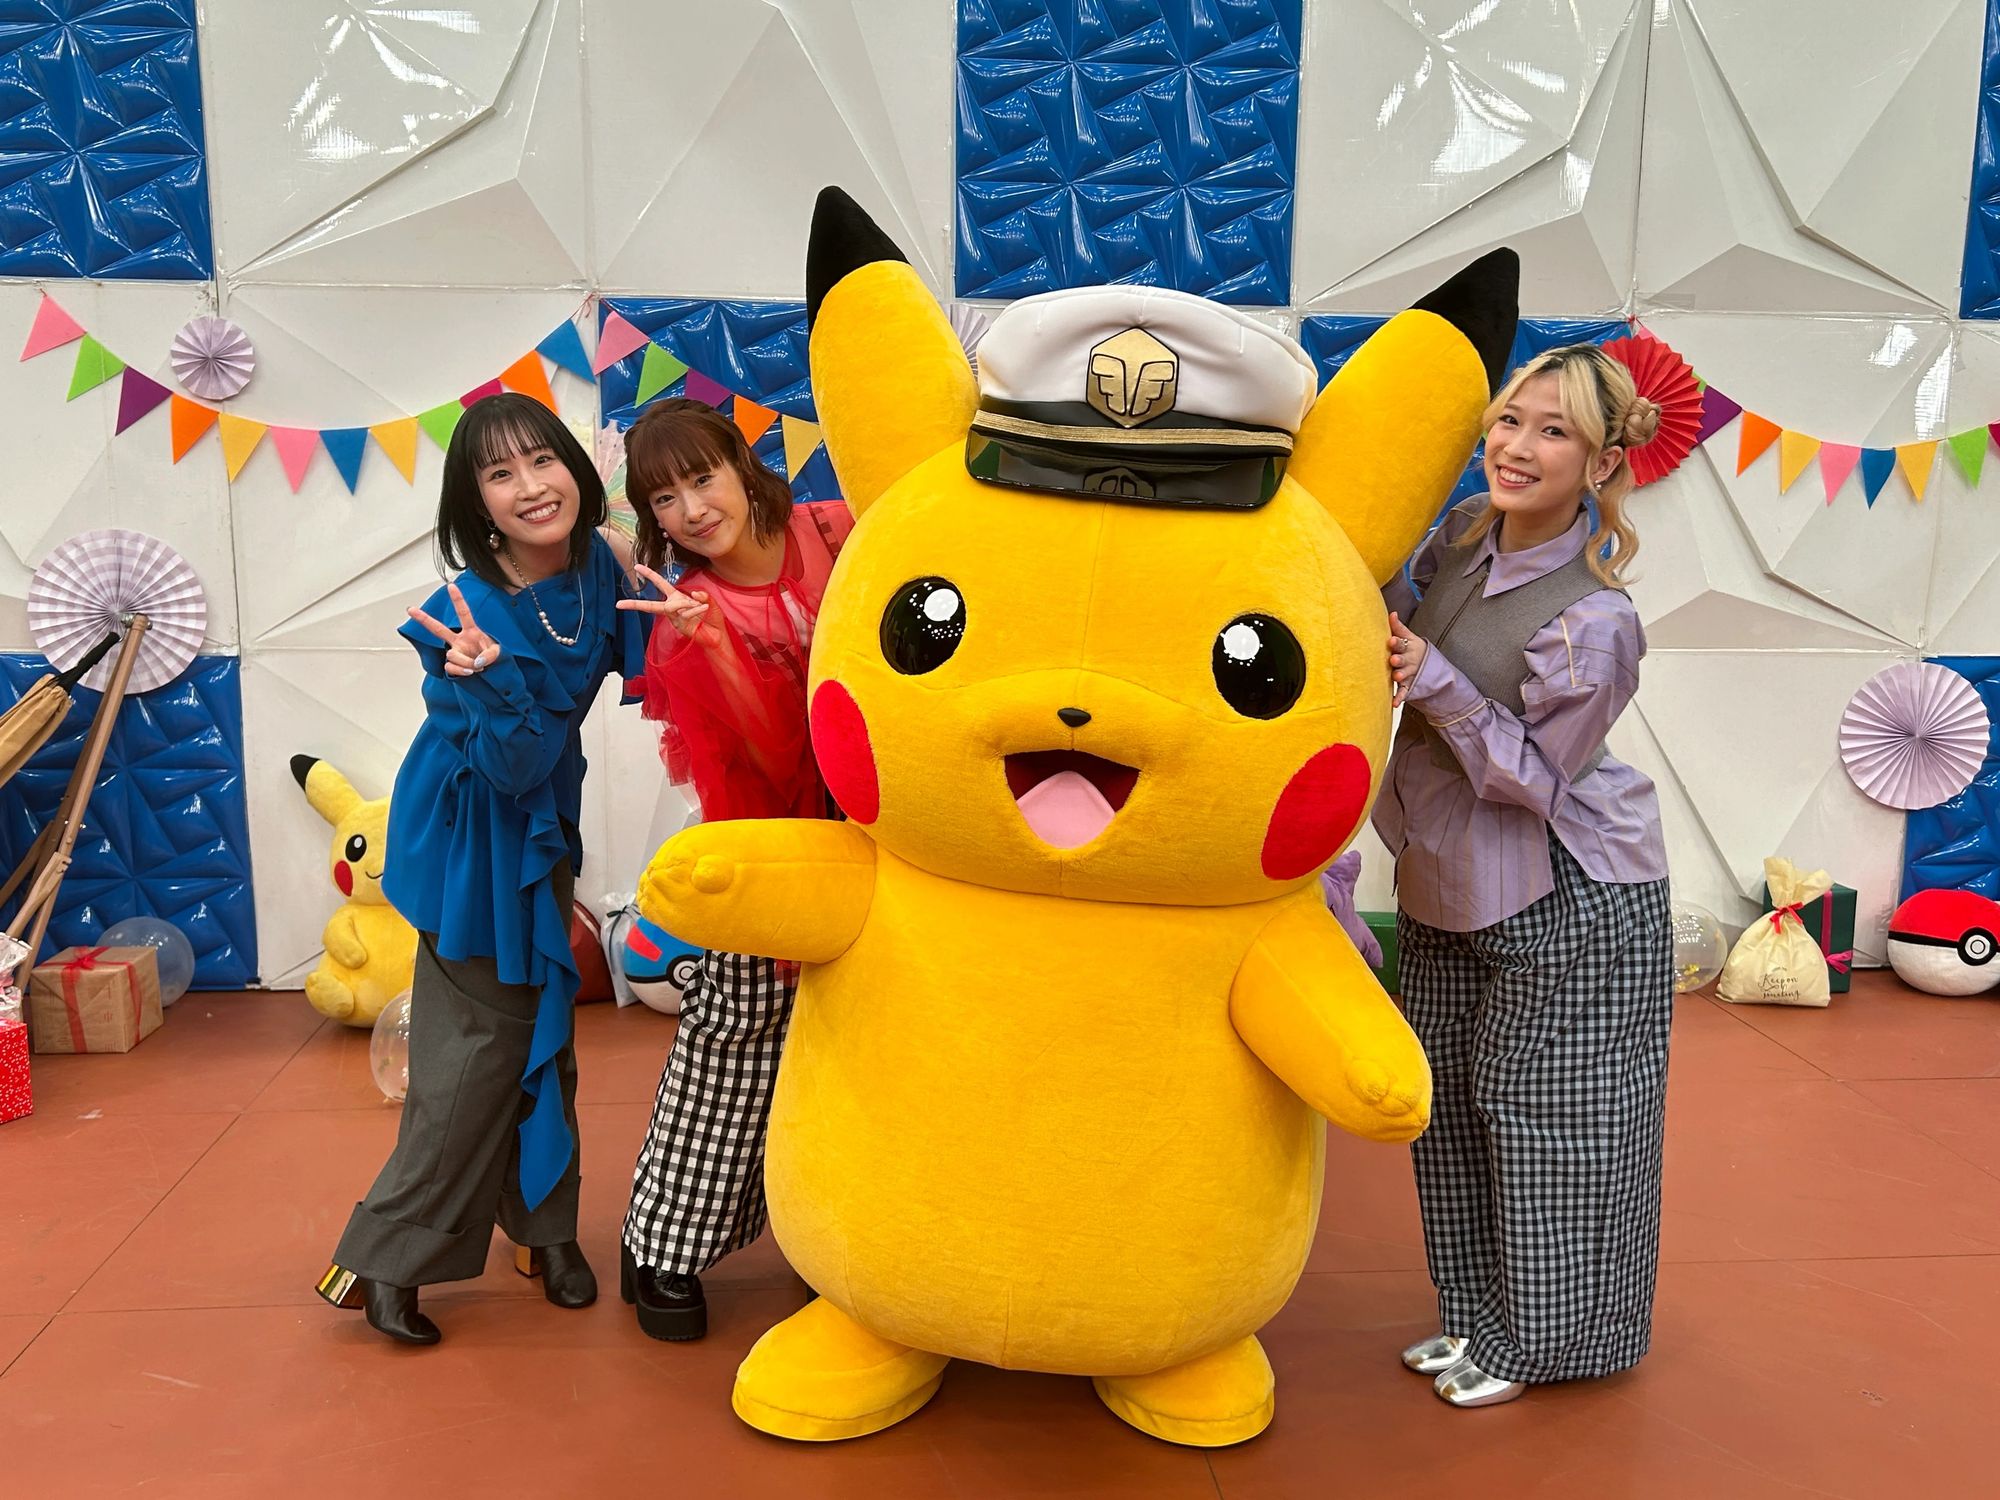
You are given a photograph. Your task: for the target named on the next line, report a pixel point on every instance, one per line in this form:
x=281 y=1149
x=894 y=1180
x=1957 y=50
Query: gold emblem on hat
x=1133 y=378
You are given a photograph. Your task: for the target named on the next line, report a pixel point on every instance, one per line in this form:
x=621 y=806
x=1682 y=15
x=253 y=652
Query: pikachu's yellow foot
x=331 y=998
x=1222 y=1398
x=819 y=1376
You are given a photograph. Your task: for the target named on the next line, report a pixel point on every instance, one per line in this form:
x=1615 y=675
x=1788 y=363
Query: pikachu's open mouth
x=1067 y=797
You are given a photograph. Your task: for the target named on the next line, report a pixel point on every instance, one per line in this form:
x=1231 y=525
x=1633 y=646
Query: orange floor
x=1829 y=1306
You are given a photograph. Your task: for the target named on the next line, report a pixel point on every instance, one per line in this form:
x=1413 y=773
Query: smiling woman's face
x=705 y=513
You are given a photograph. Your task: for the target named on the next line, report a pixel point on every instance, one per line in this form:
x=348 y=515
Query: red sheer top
x=732 y=712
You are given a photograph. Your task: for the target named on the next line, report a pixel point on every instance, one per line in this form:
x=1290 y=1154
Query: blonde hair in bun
x=1608 y=413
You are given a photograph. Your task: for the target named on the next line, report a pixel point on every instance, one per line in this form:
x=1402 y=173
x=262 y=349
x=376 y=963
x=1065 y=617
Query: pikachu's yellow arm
x=793 y=888
x=1307 y=1005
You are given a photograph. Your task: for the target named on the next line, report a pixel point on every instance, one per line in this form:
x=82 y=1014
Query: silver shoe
x=1436 y=1354
x=1465 y=1384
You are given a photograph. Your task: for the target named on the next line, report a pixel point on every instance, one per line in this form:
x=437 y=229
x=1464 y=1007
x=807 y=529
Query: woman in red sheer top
x=727 y=684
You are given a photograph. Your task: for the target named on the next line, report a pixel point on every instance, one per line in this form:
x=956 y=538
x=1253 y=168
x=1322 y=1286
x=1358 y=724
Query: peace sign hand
x=468 y=649
x=684 y=612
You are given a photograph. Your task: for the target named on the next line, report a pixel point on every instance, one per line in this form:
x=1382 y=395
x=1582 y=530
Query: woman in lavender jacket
x=1536 y=955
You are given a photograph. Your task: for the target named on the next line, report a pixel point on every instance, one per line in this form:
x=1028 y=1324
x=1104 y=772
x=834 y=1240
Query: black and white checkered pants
x=1539 y=1177
x=698 y=1189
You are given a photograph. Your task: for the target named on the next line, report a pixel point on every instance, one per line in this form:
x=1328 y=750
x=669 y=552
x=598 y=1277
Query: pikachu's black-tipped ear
x=890 y=380
x=1481 y=302
x=1388 y=437
x=843 y=239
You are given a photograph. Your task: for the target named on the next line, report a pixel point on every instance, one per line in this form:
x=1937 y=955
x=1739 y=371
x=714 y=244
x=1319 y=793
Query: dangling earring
x=492 y=537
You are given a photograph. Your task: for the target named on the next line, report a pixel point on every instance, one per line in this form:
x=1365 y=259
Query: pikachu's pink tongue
x=1066 y=811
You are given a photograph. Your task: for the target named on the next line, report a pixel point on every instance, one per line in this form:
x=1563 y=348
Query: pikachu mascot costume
x=1101 y=684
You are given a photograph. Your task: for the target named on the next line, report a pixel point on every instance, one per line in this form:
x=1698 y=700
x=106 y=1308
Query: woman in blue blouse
x=483 y=854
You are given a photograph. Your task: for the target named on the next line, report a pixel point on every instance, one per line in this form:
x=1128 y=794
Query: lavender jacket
x=1473 y=850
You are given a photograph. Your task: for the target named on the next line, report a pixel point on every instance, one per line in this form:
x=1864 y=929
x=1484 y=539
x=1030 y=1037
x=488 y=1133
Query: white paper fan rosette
x=1914 y=735
x=213 y=358
x=970 y=324
x=90 y=585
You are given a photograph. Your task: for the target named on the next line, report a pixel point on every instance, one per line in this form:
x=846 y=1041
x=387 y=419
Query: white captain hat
x=1138 y=393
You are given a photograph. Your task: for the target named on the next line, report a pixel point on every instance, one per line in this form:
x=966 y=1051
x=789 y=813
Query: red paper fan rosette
x=1667 y=380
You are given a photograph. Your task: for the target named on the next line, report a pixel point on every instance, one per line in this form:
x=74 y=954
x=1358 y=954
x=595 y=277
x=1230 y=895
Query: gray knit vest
x=1486 y=638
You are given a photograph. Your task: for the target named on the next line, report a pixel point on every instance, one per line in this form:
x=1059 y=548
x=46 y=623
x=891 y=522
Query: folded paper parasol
x=1914 y=735
x=1665 y=379
x=213 y=358
x=92 y=584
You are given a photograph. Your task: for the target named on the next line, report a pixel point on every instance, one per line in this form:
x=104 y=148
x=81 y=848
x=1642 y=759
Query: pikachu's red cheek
x=846 y=759
x=1317 y=811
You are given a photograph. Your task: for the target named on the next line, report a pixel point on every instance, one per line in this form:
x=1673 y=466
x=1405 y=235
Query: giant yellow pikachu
x=1072 y=1011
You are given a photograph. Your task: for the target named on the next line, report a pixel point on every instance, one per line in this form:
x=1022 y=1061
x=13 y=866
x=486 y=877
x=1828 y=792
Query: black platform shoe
x=390 y=1310
x=671 y=1307
x=567 y=1279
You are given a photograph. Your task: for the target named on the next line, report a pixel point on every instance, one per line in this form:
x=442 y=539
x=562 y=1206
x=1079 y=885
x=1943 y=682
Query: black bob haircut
x=493 y=429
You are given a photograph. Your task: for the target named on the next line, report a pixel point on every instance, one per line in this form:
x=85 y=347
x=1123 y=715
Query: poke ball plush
x=658 y=967
x=1946 y=942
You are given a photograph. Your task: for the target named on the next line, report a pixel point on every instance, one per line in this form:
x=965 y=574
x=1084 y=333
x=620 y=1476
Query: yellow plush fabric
x=1062 y=1110
x=371 y=950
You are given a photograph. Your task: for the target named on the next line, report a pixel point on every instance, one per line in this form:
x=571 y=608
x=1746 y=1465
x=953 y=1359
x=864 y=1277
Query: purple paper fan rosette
x=213 y=358
x=1914 y=735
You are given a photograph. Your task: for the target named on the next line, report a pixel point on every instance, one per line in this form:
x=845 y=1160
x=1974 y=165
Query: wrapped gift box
x=16 y=1097
x=95 y=1000
x=1383 y=925
x=1830 y=920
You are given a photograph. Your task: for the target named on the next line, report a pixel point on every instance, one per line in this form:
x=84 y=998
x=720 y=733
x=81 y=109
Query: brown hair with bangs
x=493 y=429
x=678 y=438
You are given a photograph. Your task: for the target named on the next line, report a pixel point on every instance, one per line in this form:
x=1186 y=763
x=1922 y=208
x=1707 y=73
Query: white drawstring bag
x=1776 y=961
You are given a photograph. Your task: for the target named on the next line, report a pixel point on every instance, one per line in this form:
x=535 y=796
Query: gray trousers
x=1539 y=1177
x=455 y=1171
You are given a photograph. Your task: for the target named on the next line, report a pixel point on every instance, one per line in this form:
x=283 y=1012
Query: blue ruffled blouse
x=488 y=800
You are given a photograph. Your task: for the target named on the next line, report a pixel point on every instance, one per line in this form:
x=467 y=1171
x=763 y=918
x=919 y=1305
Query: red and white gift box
x=17 y=1096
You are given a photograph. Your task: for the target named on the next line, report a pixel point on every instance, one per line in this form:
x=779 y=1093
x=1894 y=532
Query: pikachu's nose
x=1076 y=718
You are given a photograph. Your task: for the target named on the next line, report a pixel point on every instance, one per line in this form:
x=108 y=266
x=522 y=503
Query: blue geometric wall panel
x=1149 y=141
x=757 y=349
x=102 y=171
x=1332 y=339
x=1956 y=845
x=1979 y=284
x=166 y=833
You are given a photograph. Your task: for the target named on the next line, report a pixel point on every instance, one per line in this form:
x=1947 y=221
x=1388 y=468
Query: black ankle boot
x=670 y=1307
x=567 y=1279
x=389 y=1309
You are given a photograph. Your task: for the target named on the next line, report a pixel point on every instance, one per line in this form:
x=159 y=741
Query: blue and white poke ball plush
x=656 y=966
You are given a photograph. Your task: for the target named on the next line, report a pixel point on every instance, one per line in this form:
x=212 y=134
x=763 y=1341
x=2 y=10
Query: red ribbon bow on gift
x=1796 y=909
x=86 y=958
x=1839 y=962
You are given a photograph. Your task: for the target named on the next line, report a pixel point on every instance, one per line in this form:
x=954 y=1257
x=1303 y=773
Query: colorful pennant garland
x=139 y=395
x=1797 y=451
x=190 y=420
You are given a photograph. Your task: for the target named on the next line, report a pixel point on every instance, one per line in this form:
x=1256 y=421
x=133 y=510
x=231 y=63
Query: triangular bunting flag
x=481 y=392
x=399 y=441
x=1836 y=462
x=1795 y=451
x=1877 y=464
x=801 y=437
x=441 y=421
x=1915 y=460
x=752 y=420
x=53 y=328
x=564 y=346
x=95 y=364
x=527 y=376
x=190 y=419
x=240 y=437
x=137 y=395
x=701 y=388
x=615 y=340
x=1969 y=448
x=1757 y=434
x=1717 y=412
x=295 y=448
x=659 y=371
x=345 y=445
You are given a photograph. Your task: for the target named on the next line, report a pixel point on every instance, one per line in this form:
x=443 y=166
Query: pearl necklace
x=536 y=600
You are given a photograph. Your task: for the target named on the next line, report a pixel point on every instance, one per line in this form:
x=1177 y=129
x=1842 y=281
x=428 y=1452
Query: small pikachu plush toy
x=370 y=949
x=1101 y=685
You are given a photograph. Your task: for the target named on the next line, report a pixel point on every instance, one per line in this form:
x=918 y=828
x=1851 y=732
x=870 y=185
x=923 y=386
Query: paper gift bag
x=17 y=1095
x=1777 y=961
x=95 y=1000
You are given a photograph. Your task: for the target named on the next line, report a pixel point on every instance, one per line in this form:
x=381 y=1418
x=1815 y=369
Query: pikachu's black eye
x=356 y=847
x=1259 y=666
x=922 y=626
